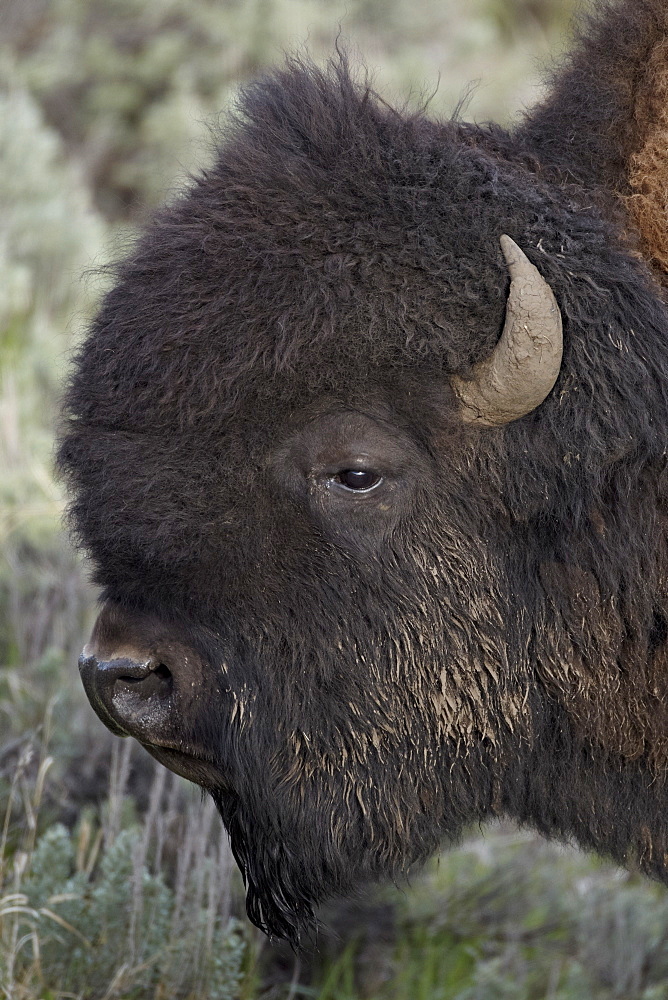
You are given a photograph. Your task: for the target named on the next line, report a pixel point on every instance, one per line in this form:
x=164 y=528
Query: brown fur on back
x=604 y=124
x=648 y=167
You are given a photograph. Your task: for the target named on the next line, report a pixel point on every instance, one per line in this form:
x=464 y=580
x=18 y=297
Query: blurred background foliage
x=115 y=880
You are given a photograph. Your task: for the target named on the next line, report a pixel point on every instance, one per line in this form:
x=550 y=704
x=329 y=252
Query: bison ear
x=604 y=123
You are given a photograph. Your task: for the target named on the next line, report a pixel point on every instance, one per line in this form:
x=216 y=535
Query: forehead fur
x=334 y=237
x=351 y=226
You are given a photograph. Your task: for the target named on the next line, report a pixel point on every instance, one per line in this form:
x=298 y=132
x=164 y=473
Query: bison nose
x=143 y=679
x=130 y=696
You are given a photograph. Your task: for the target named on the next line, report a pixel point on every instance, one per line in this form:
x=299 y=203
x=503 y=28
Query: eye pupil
x=358 y=479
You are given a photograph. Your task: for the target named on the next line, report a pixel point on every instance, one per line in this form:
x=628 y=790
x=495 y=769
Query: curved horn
x=525 y=363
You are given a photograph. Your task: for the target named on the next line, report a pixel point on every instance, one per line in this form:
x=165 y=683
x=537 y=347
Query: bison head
x=367 y=576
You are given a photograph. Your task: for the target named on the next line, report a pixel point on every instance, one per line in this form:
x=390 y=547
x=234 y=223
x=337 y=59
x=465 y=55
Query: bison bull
x=377 y=561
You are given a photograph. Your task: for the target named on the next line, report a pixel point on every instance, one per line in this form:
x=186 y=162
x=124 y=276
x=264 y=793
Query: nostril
x=144 y=671
x=144 y=679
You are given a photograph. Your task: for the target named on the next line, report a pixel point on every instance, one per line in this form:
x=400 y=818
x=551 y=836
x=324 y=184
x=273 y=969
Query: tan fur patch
x=618 y=699
x=648 y=167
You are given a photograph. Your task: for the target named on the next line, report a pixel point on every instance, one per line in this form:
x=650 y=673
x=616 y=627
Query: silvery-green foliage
x=49 y=235
x=538 y=922
x=113 y=934
x=55 y=887
x=51 y=866
x=226 y=967
x=493 y=980
x=623 y=941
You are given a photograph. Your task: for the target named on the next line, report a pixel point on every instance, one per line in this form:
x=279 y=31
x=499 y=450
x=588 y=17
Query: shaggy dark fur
x=491 y=640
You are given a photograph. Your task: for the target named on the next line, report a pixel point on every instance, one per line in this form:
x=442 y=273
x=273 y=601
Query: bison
x=367 y=445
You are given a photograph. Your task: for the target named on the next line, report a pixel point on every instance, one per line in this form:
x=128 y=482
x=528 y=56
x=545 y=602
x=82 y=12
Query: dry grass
x=118 y=906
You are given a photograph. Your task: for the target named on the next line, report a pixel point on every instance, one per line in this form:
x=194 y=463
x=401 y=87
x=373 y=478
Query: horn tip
x=510 y=249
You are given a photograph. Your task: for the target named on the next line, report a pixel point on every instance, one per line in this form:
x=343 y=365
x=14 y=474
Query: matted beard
x=278 y=900
x=295 y=854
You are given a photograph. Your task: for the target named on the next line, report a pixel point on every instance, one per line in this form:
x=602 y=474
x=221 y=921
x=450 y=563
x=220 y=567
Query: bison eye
x=361 y=480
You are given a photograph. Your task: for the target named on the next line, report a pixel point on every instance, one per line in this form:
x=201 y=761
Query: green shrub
x=118 y=931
